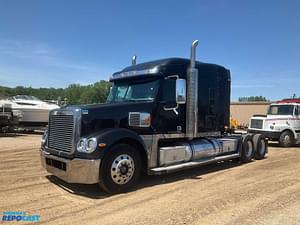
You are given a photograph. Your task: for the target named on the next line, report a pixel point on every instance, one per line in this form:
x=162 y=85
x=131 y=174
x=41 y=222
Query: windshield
x=281 y=110
x=25 y=97
x=126 y=91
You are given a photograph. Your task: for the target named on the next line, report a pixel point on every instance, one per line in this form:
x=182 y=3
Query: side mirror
x=297 y=111
x=180 y=91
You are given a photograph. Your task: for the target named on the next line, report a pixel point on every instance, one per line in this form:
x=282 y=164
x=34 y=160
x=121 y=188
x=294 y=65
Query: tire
x=286 y=139
x=260 y=146
x=120 y=169
x=247 y=149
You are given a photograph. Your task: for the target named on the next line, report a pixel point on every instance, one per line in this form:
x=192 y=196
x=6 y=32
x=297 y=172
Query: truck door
x=297 y=119
x=171 y=117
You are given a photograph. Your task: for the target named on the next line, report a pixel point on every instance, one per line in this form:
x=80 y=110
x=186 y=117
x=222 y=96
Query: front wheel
x=120 y=169
x=286 y=139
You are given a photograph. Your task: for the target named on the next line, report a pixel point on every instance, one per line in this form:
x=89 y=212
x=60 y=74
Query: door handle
x=172 y=109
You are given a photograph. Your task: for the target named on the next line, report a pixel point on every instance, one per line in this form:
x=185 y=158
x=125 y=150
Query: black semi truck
x=160 y=117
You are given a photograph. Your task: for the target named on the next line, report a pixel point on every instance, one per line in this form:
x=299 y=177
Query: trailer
x=160 y=117
x=8 y=117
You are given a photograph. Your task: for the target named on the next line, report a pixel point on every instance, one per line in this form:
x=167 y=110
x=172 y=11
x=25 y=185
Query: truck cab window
x=121 y=92
x=169 y=91
x=124 y=92
x=281 y=110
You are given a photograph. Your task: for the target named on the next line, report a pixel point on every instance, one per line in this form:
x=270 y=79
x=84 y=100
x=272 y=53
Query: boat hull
x=34 y=116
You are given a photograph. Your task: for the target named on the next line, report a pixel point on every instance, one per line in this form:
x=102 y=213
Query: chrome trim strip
x=174 y=168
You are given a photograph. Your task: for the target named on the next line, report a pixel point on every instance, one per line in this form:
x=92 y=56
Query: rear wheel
x=247 y=149
x=121 y=169
x=260 y=146
x=286 y=139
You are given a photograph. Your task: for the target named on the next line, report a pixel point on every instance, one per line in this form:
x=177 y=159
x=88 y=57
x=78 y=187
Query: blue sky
x=56 y=43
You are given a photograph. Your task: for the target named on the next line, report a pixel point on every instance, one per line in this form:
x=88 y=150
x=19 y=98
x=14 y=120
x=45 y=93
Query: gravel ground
x=260 y=192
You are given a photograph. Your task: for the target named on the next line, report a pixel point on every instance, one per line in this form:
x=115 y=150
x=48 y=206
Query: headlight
x=91 y=145
x=44 y=137
x=81 y=146
x=87 y=145
x=145 y=119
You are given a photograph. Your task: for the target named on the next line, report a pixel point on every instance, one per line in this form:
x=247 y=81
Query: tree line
x=253 y=99
x=74 y=94
x=261 y=98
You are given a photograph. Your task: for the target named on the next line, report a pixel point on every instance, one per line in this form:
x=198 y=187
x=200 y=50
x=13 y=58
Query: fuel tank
x=195 y=150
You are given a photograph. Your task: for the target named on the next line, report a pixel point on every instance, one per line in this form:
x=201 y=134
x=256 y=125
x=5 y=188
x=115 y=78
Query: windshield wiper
x=137 y=100
x=132 y=100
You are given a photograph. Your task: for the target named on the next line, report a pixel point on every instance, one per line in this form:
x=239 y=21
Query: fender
x=291 y=130
x=112 y=136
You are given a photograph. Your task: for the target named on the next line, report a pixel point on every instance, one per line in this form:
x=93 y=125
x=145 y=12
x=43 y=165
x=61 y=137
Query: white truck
x=282 y=122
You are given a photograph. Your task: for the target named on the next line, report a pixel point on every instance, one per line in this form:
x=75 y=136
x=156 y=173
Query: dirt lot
x=261 y=192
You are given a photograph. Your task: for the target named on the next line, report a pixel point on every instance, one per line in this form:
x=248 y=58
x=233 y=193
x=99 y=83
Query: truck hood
x=115 y=115
x=270 y=122
x=271 y=117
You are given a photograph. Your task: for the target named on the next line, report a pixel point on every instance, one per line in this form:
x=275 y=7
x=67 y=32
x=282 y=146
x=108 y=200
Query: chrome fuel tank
x=196 y=150
x=175 y=154
x=204 y=148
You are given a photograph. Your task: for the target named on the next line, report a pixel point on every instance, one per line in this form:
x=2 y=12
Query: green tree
x=75 y=93
x=253 y=99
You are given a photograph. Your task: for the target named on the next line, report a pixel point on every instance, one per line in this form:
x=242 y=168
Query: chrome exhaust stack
x=193 y=53
x=133 y=60
x=192 y=96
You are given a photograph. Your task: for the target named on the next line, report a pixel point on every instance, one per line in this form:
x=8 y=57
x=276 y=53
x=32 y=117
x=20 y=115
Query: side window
x=169 y=91
x=121 y=91
x=274 y=110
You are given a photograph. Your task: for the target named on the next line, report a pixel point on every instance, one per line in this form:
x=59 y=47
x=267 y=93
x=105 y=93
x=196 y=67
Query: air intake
x=133 y=60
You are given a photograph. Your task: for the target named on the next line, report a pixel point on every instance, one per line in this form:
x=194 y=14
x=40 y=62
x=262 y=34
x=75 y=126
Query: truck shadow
x=20 y=133
x=93 y=190
x=276 y=145
x=10 y=134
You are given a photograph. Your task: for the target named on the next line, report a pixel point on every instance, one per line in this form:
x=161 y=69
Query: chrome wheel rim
x=287 y=139
x=122 y=169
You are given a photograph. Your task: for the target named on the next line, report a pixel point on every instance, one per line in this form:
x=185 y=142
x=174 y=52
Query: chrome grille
x=257 y=124
x=61 y=132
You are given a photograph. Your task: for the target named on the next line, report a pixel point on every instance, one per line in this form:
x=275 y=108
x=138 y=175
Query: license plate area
x=57 y=164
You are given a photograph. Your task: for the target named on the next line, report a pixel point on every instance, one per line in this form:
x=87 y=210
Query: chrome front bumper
x=84 y=171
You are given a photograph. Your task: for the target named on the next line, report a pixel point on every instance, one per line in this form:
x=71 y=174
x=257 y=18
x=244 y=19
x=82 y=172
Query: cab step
x=174 y=168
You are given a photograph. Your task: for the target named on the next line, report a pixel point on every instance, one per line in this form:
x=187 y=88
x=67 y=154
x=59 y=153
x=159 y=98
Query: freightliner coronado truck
x=160 y=117
x=282 y=122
